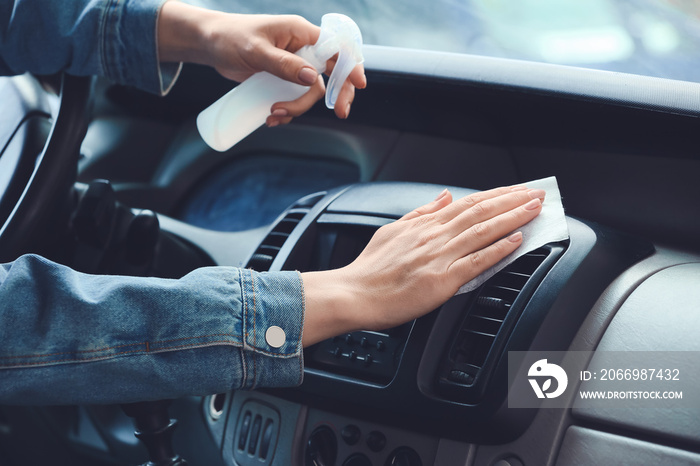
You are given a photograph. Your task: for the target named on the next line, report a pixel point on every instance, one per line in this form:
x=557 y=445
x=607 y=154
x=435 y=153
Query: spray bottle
x=245 y=108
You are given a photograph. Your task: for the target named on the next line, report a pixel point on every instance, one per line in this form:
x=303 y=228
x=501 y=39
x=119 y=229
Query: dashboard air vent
x=490 y=317
x=269 y=248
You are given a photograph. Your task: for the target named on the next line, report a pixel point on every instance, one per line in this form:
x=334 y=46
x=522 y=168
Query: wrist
x=182 y=32
x=332 y=306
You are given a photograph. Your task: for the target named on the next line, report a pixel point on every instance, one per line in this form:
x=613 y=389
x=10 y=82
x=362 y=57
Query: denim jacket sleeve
x=112 y=38
x=73 y=338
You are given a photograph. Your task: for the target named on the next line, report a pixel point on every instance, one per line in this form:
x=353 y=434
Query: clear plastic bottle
x=246 y=107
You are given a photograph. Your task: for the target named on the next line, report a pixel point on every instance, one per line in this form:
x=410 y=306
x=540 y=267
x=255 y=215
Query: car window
x=649 y=37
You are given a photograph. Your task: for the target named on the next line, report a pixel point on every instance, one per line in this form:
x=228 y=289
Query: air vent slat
x=515 y=280
x=484 y=320
x=286 y=225
x=493 y=304
x=266 y=253
x=478 y=324
x=296 y=215
x=268 y=250
x=468 y=368
x=260 y=262
x=505 y=288
x=500 y=292
x=528 y=263
x=495 y=314
x=474 y=349
x=276 y=238
x=478 y=332
x=484 y=316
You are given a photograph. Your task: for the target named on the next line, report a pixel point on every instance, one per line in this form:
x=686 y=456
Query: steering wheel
x=40 y=137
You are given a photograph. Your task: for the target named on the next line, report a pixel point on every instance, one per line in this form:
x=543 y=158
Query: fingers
x=344 y=102
x=443 y=199
x=473 y=228
x=356 y=77
x=285 y=65
x=467 y=202
x=476 y=207
x=483 y=233
x=283 y=112
x=479 y=261
x=284 y=35
x=491 y=207
x=356 y=80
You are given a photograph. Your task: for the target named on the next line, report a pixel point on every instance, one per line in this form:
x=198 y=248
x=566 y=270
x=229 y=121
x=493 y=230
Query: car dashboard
x=434 y=391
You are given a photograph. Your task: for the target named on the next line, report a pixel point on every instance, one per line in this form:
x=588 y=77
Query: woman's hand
x=415 y=264
x=238 y=46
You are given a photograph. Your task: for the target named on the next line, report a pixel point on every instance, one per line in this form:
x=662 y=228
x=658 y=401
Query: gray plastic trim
x=585 y=447
x=662 y=314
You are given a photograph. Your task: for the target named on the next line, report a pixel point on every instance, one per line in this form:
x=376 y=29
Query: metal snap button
x=275 y=336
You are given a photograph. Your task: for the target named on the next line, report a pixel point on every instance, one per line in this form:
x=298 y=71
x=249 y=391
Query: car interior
x=109 y=179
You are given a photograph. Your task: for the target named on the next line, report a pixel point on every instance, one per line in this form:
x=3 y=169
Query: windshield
x=649 y=37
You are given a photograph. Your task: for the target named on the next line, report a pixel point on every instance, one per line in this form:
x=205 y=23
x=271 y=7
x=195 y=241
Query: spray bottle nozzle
x=339 y=34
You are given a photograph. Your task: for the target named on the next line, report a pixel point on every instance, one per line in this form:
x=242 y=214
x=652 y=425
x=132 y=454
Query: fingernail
x=518 y=188
x=516 y=237
x=441 y=195
x=308 y=76
x=273 y=123
x=280 y=112
x=537 y=194
x=363 y=82
x=533 y=204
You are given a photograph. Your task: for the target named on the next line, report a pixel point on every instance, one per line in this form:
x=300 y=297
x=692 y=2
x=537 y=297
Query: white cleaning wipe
x=549 y=226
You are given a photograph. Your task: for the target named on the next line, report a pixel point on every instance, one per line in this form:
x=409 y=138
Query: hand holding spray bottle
x=246 y=107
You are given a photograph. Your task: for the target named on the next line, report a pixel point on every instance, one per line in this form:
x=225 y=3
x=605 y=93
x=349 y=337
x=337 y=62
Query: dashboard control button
x=322 y=448
x=254 y=434
x=364 y=342
x=266 y=439
x=508 y=462
x=353 y=356
x=376 y=441
x=358 y=459
x=381 y=346
x=368 y=359
x=243 y=430
x=349 y=339
x=337 y=352
x=350 y=434
x=403 y=456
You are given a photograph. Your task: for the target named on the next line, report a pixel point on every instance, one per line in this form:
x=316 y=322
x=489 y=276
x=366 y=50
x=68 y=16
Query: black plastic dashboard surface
x=548 y=315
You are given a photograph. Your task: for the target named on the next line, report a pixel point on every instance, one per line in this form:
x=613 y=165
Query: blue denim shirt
x=72 y=338
x=111 y=38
